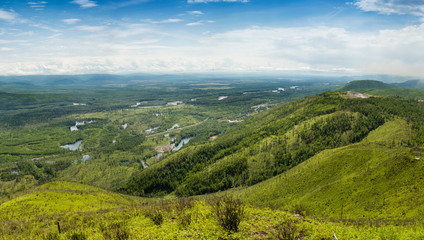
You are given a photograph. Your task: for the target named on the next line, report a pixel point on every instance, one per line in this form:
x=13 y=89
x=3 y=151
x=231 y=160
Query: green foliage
x=327 y=155
x=229 y=213
x=288 y=230
x=77 y=236
x=123 y=218
x=182 y=208
x=377 y=178
x=35 y=122
x=274 y=141
x=156 y=215
x=52 y=236
x=115 y=230
x=365 y=84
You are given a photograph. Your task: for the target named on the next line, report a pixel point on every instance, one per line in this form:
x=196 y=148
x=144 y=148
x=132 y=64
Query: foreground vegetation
x=61 y=210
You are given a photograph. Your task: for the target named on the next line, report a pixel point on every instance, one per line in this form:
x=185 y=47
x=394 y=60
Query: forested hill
x=365 y=84
x=275 y=141
x=411 y=84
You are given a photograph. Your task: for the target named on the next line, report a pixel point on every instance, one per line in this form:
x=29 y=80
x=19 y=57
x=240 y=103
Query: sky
x=322 y=37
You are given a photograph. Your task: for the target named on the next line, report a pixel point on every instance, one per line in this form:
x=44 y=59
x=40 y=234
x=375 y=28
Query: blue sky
x=322 y=37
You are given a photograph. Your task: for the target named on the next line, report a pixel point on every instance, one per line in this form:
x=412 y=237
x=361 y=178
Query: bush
x=300 y=210
x=229 y=213
x=51 y=236
x=78 y=236
x=116 y=230
x=287 y=230
x=181 y=207
x=155 y=215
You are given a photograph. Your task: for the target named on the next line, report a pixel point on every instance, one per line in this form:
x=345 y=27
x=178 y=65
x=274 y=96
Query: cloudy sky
x=230 y=36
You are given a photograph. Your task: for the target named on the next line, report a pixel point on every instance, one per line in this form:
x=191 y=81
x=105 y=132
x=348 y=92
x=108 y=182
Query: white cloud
x=125 y=48
x=8 y=16
x=71 y=20
x=45 y=27
x=85 y=3
x=6 y=41
x=91 y=28
x=208 y=1
x=171 y=20
x=195 y=13
x=6 y=49
x=408 y=7
x=55 y=35
x=120 y=32
x=199 y=23
x=121 y=4
x=37 y=5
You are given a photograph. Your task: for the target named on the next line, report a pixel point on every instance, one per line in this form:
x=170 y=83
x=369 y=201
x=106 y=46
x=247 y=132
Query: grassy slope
x=376 y=178
x=86 y=212
x=61 y=197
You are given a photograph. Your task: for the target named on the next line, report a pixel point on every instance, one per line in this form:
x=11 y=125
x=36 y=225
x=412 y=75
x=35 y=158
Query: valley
x=298 y=159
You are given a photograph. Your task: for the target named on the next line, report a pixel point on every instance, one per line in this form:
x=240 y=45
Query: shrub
x=300 y=210
x=184 y=203
x=116 y=230
x=229 y=213
x=181 y=207
x=78 y=236
x=51 y=236
x=155 y=215
x=287 y=230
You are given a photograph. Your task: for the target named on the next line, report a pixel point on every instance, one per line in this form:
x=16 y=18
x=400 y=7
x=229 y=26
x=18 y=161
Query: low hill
x=359 y=85
x=378 y=178
x=399 y=92
x=275 y=141
x=61 y=197
x=411 y=84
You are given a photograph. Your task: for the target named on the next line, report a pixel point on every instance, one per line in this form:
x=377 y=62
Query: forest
x=121 y=128
x=276 y=159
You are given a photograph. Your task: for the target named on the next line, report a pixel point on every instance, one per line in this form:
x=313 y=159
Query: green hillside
x=341 y=163
x=61 y=197
x=378 y=178
x=411 y=84
x=63 y=210
x=400 y=92
x=270 y=143
x=365 y=84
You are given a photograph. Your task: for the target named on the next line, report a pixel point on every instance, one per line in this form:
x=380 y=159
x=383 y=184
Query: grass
x=377 y=178
x=85 y=212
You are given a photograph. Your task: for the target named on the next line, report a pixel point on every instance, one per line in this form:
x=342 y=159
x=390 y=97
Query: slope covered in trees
x=377 y=178
x=273 y=142
x=365 y=84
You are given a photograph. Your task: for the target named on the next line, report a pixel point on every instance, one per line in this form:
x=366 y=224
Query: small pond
x=74 y=146
x=144 y=164
x=181 y=144
x=85 y=158
x=173 y=127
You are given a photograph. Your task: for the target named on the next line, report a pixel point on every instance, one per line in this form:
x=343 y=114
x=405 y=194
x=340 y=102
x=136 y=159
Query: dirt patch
x=350 y=94
x=164 y=148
